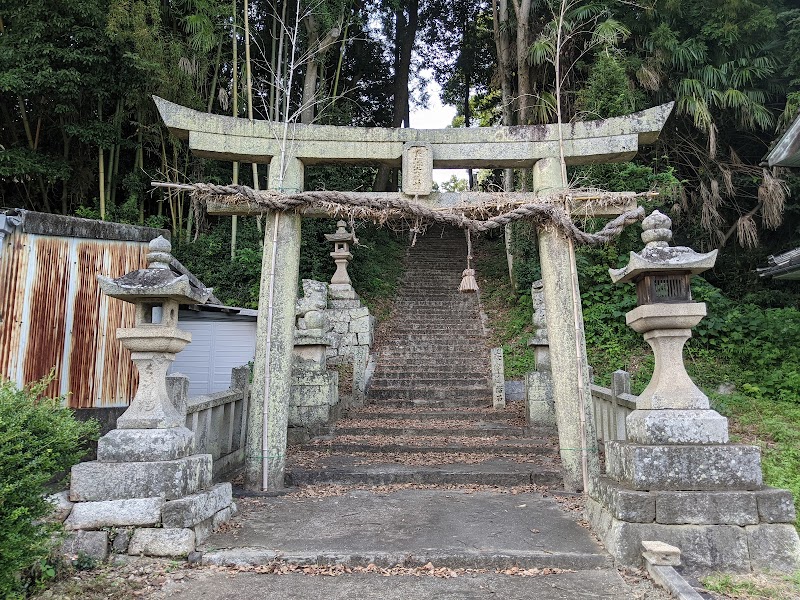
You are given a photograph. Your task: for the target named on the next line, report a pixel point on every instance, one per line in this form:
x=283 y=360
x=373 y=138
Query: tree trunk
x=235 y=109
x=405 y=35
x=317 y=48
x=523 y=10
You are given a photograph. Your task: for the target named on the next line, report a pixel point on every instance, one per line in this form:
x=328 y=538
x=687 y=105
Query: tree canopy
x=80 y=135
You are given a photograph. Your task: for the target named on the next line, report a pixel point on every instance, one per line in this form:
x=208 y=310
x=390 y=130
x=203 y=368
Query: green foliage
x=38 y=440
x=375 y=269
x=608 y=92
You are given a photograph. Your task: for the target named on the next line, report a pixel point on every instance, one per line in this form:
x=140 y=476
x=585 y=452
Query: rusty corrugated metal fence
x=52 y=314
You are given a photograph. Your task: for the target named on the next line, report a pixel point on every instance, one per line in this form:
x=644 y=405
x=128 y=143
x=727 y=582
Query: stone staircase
x=429 y=418
x=428 y=475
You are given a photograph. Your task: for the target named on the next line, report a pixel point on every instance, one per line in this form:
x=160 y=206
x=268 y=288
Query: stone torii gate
x=288 y=148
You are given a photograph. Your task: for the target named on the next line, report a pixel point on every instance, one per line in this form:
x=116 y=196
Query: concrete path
x=605 y=584
x=484 y=529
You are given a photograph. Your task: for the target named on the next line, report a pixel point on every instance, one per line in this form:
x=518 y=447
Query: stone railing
x=612 y=406
x=219 y=420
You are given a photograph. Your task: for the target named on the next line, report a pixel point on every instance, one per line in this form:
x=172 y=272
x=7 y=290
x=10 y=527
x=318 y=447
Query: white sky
x=436 y=116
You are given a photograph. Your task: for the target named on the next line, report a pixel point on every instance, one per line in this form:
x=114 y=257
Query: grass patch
x=510 y=314
x=752 y=587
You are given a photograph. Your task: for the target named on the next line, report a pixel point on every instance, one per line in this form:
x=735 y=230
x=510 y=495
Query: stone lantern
x=147 y=482
x=341 y=253
x=340 y=291
x=676 y=479
x=666 y=316
x=155 y=339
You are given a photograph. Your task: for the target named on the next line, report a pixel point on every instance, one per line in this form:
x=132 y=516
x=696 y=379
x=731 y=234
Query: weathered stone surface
x=188 y=511
x=97 y=481
x=776 y=506
x=222 y=517
x=341 y=291
x=704 y=547
x=706 y=508
x=145 y=445
x=115 y=513
x=91 y=543
x=365 y=339
x=666 y=328
x=539 y=398
x=659 y=553
x=625 y=504
x=162 y=542
x=122 y=540
x=61 y=506
x=676 y=427
x=774 y=547
x=354 y=303
x=417 y=168
x=684 y=467
x=498 y=378
x=360 y=325
x=567 y=342
x=203 y=529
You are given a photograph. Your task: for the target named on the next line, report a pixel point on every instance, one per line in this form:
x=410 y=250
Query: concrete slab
x=413 y=526
x=251 y=586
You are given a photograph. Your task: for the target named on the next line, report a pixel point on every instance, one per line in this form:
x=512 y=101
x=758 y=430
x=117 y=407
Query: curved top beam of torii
x=238 y=139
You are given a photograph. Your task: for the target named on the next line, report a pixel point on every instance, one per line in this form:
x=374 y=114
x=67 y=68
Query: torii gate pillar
x=571 y=391
x=265 y=457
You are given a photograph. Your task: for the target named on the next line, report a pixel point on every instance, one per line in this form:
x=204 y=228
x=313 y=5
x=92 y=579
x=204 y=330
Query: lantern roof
x=341 y=234
x=158 y=281
x=659 y=256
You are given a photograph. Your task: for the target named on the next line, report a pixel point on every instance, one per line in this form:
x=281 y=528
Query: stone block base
x=677 y=427
x=158 y=508
x=162 y=542
x=684 y=467
x=98 y=481
x=716 y=531
x=145 y=445
x=314 y=398
x=191 y=510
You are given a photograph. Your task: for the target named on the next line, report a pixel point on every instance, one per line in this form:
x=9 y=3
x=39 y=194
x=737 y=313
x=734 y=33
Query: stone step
x=496 y=472
x=371 y=412
x=430 y=394
x=431 y=402
x=418 y=380
x=452 y=387
x=494 y=449
x=489 y=430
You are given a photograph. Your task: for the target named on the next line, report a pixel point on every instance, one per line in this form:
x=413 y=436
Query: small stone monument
x=498 y=378
x=676 y=478
x=315 y=389
x=146 y=480
x=540 y=408
x=341 y=290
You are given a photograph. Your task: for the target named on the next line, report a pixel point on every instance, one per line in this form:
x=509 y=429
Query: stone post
x=498 y=378
x=272 y=379
x=539 y=409
x=567 y=342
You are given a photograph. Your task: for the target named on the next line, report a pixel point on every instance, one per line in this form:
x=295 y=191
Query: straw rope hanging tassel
x=468 y=282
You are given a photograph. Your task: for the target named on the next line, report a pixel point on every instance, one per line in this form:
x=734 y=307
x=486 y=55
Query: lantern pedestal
x=676 y=479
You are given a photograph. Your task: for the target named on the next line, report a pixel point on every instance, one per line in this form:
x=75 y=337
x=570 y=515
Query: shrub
x=38 y=440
